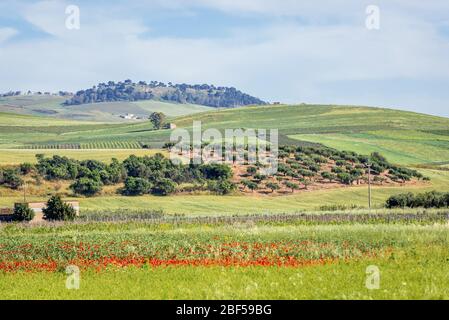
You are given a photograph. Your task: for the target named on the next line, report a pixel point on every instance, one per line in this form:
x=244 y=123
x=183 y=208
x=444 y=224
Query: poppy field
x=138 y=260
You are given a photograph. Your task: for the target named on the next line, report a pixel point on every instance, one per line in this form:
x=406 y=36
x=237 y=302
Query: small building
x=170 y=126
x=128 y=116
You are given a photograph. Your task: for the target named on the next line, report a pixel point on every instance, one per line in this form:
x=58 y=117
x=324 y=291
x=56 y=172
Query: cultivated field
x=281 y=261
x=51 y=106
x=127 y=255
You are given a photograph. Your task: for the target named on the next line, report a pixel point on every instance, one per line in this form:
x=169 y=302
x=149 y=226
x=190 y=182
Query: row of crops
x=88 y=145
x=112 y=145
x=52 y=146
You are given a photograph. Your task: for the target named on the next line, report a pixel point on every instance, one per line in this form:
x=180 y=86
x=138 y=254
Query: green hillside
x=404 y=137
x=51 y=106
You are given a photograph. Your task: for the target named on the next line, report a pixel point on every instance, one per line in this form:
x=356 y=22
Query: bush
x=163 y=187
x=22 y=212
x=431 y=199
x=345 y=178
x=221 y=187
x=11 y=179
x=216 y=171
x=272 y=186
x=58 y=210
x=328 y=175
x=136 y=186
x=86 y=186
x=26 y=168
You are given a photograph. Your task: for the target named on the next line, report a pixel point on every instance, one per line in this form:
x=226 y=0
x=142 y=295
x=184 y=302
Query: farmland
x=404 y=137
x=51 y=106
x=223 y=262
x=325 y=257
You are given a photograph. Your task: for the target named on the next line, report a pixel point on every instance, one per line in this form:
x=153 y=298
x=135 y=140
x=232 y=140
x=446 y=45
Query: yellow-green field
x=248 y=204
x=399 y=146
x=18 y=156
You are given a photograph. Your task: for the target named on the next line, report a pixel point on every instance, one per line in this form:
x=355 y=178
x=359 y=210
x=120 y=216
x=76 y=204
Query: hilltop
x=204 y=94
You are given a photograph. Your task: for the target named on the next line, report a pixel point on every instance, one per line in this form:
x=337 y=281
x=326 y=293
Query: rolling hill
x=52 y=106
x=404 y=137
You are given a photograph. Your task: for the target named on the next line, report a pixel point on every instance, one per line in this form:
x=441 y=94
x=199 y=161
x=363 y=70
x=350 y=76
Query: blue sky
x=279 y=50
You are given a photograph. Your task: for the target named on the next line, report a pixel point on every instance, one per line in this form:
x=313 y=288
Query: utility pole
x=24 y=192
x=369 y=185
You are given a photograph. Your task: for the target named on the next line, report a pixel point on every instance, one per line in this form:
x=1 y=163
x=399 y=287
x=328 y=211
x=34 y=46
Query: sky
x=291 y=51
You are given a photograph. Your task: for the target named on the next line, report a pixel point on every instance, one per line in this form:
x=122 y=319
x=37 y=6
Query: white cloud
x=281 y=61
x=7 y=33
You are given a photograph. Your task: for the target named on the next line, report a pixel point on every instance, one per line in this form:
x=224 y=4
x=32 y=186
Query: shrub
x=26 y=168
x=163 y=187
x=273 y=186
x=86 y=186
x=216 y=171
x=291 y=185
x=56 y=209
x=11 y=179
x=221 y=187
x=328 y=175
x=249 y=184
x=345 y=178
x=400 y=201
x=22 y=212
x=136 y=186
x=251 y=170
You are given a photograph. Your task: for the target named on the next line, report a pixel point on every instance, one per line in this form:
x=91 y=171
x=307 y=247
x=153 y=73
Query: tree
x=273 y=186
x=249 y=184
x=221 y=187
x=251 y=170
x=345 y=178
x=26 y=168
x=163 y=187
x=357 y=174
x=306 y=183
x=11 y=179
x=291 y=185
x=157 y=119
x=86 y=186
x=56 y=209
x=328 y=175
x=136 y=186
x=22 y=212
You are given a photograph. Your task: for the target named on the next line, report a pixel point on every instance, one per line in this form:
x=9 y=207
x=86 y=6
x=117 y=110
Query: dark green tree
x=157 y=119
x=56 y=209
x=22 y=212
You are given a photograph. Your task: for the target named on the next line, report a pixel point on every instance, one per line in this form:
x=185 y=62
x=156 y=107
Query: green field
x=404 y=137
x=259 y=260
x=399 y=146
x=15 y=156
x=205 y=205
x=411 y=260
x=51 y=106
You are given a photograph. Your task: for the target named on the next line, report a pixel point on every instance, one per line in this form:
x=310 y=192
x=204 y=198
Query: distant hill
x=206 y=95
x=53 y=106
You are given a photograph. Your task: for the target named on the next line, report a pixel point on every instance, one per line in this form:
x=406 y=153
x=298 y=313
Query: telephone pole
x=24 y=192
x=369 y=185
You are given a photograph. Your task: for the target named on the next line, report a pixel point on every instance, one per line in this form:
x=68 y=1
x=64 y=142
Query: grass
x=406 y=137
x=51 y=106
x=399 y=146
x=15 y=156
x=412 y=262
x=247 y=204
